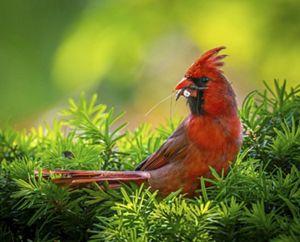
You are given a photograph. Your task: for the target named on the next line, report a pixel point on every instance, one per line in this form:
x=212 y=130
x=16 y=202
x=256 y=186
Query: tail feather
x=80 y=177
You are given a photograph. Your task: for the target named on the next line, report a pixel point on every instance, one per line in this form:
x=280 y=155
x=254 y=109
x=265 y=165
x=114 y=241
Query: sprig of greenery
x=264 y=116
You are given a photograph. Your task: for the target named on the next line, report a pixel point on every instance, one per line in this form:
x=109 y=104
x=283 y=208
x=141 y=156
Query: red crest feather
x=209 y=61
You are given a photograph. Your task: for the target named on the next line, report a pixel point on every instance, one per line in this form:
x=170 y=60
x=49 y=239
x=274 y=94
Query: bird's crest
x=209 y=61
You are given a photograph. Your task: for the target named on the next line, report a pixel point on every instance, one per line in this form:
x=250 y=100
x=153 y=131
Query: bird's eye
x=204 y=79
x=199 y=81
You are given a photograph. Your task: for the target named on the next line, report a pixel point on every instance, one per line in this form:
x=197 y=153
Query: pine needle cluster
x=258 y=200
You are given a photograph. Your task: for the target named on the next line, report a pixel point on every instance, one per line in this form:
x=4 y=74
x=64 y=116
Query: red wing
x=173 y=149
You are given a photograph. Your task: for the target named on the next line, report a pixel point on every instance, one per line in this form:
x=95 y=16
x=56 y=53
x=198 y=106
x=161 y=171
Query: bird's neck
x=223 y=106
x=217 y=101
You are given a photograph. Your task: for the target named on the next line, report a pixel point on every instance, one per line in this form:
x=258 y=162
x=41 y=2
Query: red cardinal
x=209 y=137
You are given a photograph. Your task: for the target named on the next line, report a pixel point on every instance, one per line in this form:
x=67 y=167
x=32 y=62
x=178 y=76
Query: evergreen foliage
x=259 y=200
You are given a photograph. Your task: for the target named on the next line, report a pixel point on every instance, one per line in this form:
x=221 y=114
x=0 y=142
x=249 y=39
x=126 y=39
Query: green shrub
x=258 y=200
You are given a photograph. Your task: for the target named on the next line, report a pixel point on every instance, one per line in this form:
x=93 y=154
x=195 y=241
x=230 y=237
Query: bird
x=209 y=137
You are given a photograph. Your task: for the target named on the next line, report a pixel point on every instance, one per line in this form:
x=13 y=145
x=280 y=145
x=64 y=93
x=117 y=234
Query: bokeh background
x=132 y=52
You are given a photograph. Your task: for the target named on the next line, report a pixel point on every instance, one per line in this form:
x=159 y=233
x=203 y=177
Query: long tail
x=81 y=177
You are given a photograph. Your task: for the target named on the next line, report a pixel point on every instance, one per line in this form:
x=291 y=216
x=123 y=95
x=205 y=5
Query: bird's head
x=204 y=85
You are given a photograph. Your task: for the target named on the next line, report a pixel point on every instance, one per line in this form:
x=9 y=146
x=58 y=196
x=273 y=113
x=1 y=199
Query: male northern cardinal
x=209 y=137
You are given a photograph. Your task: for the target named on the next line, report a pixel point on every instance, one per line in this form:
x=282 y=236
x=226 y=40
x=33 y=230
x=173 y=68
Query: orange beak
x=183 y=87
x=184 y=83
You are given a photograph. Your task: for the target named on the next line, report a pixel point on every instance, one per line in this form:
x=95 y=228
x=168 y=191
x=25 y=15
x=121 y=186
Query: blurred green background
x=132 y=53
